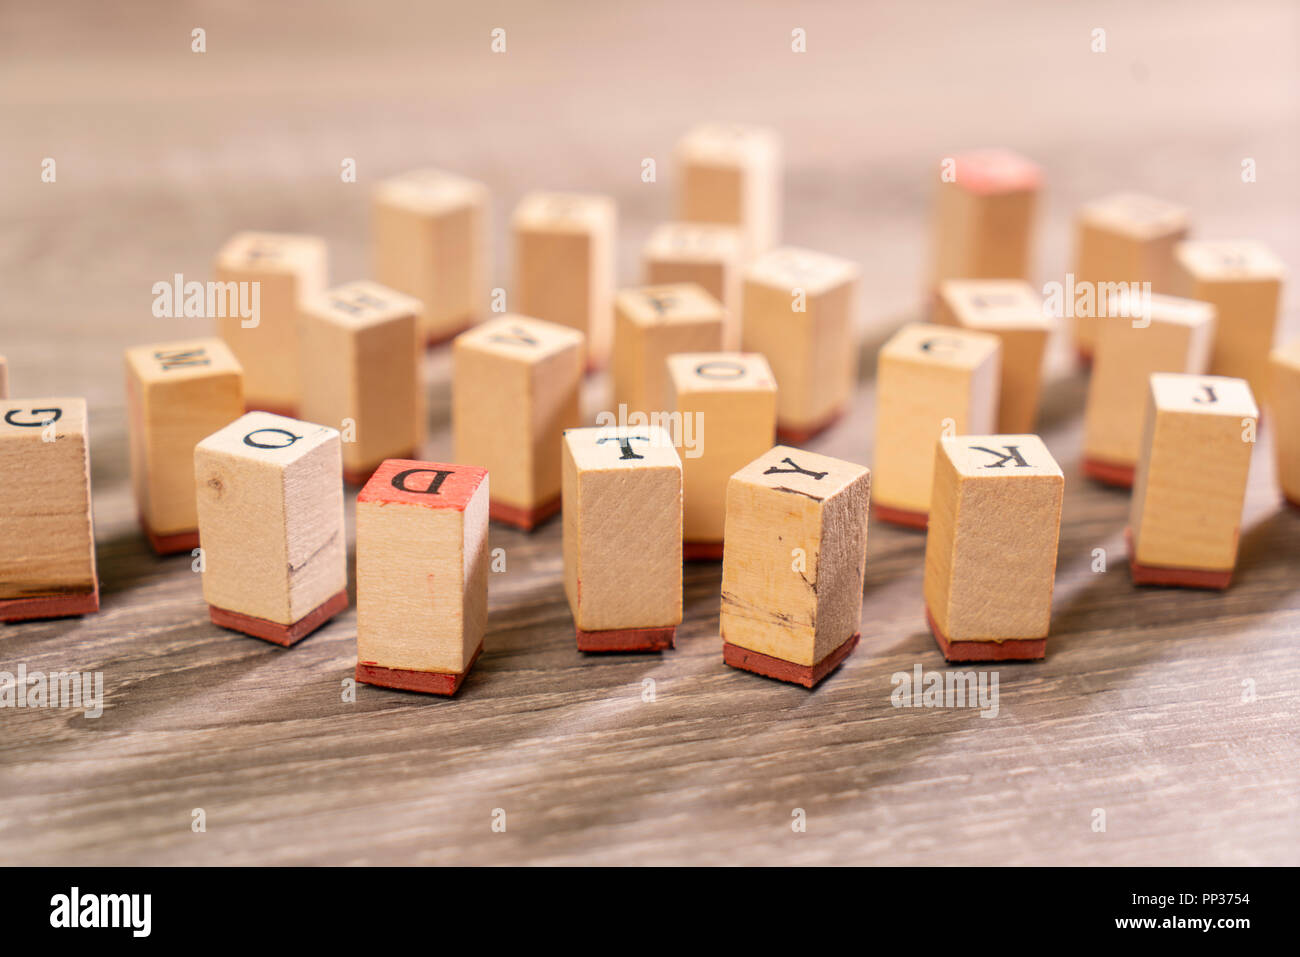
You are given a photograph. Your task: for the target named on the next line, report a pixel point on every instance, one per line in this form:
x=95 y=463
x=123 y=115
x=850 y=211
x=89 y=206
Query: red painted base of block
x=798 y=434
x=172 y=543
x=1174 y=577
x=523 y=518
x=627 y=639
x=275 y=632
x=425 y=682
x=50 y=606
x=702 y=551
x=1109 y=473
x=1084 y=355
x=901 y=516
x=1293 y=502
x=1013 y=649
x=288 y=411
x=780 y=669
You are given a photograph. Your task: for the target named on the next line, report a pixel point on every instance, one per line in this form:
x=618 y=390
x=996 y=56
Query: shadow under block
x=709 y=255
x=564 y=264
x=730 y=174
x=1014 y=312
x=177 y=394
x=422 y=567
x=622 y=537
x=930 y=381
x=794 y=565
x=1243 y=281
x=361 y=348
x=287 y=269
x=1124 y=238
x=799 y=309
x=990 y=551
x=270 y=504
x=1190 y=483
x=47 y=533
x=1172 y=335
x=516 y=385
x=650 y=324
x=984 y=216
x=727 y=407
x=1284 y=407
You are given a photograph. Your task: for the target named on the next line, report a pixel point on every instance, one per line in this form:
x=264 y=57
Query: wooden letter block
x=800 y=313
x=1190 y=486
x=422 y=569
x=1243 y=281
x=650 y=324
x=623 y=538
x=708 y=255
x=515 y=389
x=47 y=535
x=930 y=381
x=1172 y=335
x=288 y=269
x=270 y=500
x=794 y=565
x=1013 y=312
x=177 y=394
x=1124 y=238
x=984 y=216
x=361 y=349
x=564 y=264
x=726 y=407
x=990 y=552
x=1284 y=403
x=731 y=174
x=431 y=242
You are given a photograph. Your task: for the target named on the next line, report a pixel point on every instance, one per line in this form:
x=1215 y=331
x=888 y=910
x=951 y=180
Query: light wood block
x=650 y=324
x=1172 y=335
x=1013 y=312
x=990 y=552
x=930 y=380
x=1284 y=404
x=728 y=402
x=1124 y=238
x=731 y=174
x=422 y=571
x=984 y=217
x=47 y=533
x=623 y=537
x=800 y=312
x=430 y=241
x=706 y=254
x=794 y=564
x=4 y=378
x=1243 y=281
x=1190 y=484
x=564 y=264
x=515 y=389
x=362 y=345
x=177 y=394
x=270 y=503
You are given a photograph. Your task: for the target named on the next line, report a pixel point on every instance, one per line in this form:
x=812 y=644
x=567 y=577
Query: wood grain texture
x=1138 y=708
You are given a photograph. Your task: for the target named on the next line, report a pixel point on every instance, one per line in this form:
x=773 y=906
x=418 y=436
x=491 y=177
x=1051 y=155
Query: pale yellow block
x=1284 y=404
x=984 y=216
x=650 y=324
x=708 y=255
x=731 y=174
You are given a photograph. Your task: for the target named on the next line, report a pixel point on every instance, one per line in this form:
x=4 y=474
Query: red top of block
x=431 y=484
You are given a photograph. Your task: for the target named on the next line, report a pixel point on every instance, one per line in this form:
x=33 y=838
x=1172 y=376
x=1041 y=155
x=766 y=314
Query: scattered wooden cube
x=794 y=565
x=288 y=269
x=430 y=241
x=930 y=381
x=1014 y=312
x=725 y=407
x=623 y=537
x=47 y=533
x=1190 y=484
x=177 y=393
x=564 y=264
x=1124 y=238
x=731 y=174
x=984 y=216
x=422 y=570
x=515 y=389
x=362 y=345
x=270 y=503
x=1243 y=281
x=800 y=309
x=1171 y=335
x=650 y=324
x=990 y=552
x=1284 y=403
x=703 y=253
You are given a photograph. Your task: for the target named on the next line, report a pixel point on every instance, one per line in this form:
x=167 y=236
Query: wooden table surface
x=162 y=153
